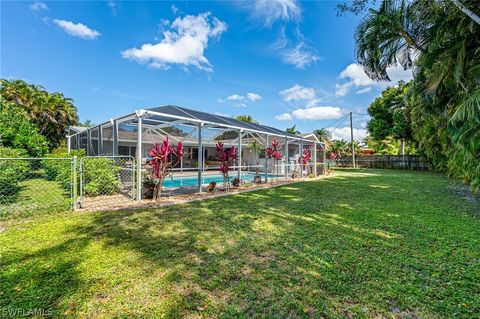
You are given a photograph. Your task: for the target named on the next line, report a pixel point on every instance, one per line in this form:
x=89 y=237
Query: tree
x=389 y=118
x=386 y=37
x=323 y=135
x=52 y=113
x=246 y=118
x=16 y=131
x=444 y=99
x=340 y=147
x=292 y=130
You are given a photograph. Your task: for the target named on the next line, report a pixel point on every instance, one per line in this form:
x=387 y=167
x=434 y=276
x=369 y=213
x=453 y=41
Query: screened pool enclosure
x=134 y=134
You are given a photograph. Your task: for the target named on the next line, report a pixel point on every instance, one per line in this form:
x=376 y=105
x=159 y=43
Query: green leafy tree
x=16 y=131
x=246 y=118
x=444 y=99
x=52 y=113
x=389 y=116
x=323 y=135
x=292 y=130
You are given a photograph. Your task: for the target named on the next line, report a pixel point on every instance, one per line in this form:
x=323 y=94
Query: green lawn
x=36 y=196
x=362 y=244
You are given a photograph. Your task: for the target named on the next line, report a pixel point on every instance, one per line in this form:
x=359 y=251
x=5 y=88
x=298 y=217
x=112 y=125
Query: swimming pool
x=193 y=180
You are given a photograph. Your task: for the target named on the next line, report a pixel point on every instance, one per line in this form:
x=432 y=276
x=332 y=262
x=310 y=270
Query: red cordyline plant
x=273 y=152
x=162 y=158
x=306 y=155
x=228 y=159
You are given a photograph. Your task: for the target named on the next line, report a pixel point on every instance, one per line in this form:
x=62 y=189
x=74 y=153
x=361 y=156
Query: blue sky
x=283 y=62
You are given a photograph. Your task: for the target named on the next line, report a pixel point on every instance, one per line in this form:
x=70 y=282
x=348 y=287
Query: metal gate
x=106 y=182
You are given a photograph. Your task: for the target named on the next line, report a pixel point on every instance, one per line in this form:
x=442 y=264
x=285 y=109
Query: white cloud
x=38 y=6
x=312 y=113
x=298 y=92
x=174 y=9
x=356 y=77
x=113 y=7
x=235 y=97
x=343 y=133
x=184 y=44
x=77 y=29
x=254 y=96
x=240 y=105
x=365 y=90
x=284 y=117
x=270 y=11
x=300 y=56
x=317 y=113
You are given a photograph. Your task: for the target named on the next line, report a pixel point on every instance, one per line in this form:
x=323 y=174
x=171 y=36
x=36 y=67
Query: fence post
x=74 y=204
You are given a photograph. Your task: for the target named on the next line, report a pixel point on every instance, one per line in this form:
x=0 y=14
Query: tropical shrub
x=228 y=159
x=61 y=170
x=100 y=176
x=162 y=158
x=16 y=130
x=273 y=152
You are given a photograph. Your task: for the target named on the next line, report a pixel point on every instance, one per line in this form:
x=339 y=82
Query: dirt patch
x=170 y=197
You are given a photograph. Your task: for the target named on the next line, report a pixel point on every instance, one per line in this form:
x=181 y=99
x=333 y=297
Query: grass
x=363 y=244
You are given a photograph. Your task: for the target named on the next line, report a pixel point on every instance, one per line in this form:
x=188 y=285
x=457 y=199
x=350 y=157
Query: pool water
x=193 y=180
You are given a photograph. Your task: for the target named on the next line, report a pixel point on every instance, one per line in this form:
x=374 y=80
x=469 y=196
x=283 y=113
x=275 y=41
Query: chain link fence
x=106 y=181
x=34 y=185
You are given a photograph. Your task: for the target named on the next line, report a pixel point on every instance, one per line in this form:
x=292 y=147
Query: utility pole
x=351 y=140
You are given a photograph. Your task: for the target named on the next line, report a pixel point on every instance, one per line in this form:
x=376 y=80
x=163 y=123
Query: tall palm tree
x=246 y=118
x=323 y=135
x=52 y=113
x=292 y=130
x=388 y=36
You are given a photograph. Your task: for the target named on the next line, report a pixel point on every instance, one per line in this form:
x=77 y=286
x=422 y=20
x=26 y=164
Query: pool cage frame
x=145 y=127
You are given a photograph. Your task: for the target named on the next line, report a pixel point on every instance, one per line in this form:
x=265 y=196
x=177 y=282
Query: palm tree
x=386 y=37
x=246 y=118
x=52 y=113
x=292 y=130
x=323 y=135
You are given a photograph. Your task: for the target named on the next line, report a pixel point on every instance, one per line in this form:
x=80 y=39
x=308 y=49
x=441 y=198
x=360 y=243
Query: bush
x=11 y=172
x=100 y=176
x=18 y=132
x=61 y=171
x=311 y=175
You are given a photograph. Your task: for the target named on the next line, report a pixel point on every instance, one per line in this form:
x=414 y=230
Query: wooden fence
x=412 y=162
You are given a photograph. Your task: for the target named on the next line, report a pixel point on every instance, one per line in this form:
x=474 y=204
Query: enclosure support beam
x=100 y=140
x=69 y=144
x=324 y=159
x=115 y=138
x=139 y=157
x=287 y=160
x=315 y=158
x=266 y=159
x=300 y=159
x=240 y=132
x=89 y=142
x=200 y=157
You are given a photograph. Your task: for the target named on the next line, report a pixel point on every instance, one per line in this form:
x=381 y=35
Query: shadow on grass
x=40 y=280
